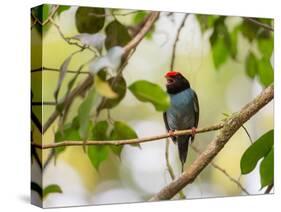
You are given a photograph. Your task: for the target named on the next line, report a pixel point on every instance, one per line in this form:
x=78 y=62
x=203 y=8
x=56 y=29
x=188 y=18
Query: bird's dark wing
x=196 y=108
x=166 y=121
x=196 y=111
x=167 y=126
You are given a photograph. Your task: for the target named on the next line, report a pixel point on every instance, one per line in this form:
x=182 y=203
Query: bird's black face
x=176 y=82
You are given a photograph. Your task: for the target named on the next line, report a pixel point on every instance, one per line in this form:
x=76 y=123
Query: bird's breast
x=181 y=112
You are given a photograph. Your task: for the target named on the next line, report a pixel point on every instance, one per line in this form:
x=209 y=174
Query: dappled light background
x=139 y=173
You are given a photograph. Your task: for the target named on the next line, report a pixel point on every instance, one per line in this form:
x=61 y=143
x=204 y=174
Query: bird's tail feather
x=183 y=142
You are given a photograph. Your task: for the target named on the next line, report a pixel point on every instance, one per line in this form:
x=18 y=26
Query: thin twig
x=130 y=141
x=169 y=167
x=43 y=103
x=248 y=134
x=254 y=21
x=49 y=158
x=68 y=40
x=223 y=171
x=152 y=17
x=176 y=41
x=114 y=14
x=57 y=70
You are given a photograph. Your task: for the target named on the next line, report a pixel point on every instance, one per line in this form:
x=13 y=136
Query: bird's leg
x=193 y=131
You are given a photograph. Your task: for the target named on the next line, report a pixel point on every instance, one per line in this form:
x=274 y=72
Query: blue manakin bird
x=183 y=112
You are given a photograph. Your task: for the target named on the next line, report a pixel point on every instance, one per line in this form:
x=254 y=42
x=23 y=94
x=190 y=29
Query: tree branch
x=176 y=41
x=57 y=70
x=153 y=16
x=223 y=171
x=89 y=80
x=232 y=124
x=256 y=22
x=129 y=141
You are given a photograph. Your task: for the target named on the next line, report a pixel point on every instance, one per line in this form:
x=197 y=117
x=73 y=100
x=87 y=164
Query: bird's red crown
x=171 y=73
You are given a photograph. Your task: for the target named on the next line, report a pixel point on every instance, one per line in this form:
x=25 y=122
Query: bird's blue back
x=181 y=114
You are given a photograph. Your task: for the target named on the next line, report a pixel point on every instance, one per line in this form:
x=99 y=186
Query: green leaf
x=146 y=91
x=98 y=153
x=121 y=131
x=256 y=151
x=62 y=8
x=68 y=133
x=266 y=46
x=118 y=85
x=249 y=30
x=53 y=188
x=116 y=35
x=265 y=71
x=36 y=187
x=267 y=169
x=140 y=17
x=99 y=131
x=206 y=21
x=220 y=30
x=234 y=41
x=221 y=43
x=103 y=88
x=220 y=52
x=63 y=70
x=89 y=19
x=84 y=113
x=251 y=65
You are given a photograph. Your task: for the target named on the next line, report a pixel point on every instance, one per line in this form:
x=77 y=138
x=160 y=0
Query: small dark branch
x=34 y=153
x=69 y=40
x=269 y=188
x=170 y=169
x=176 y=41
x=223 y=171
x=114 y=14
x=254 y=21
x=43 y=103
x=232 y=124
x=153 y=16
x=36 y=121
x=48 y=160
x=57 y=70
x=76 y=91
x=248 y=134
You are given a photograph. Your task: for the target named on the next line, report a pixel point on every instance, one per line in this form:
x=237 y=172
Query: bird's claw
x=193 y=131
x=171 y=133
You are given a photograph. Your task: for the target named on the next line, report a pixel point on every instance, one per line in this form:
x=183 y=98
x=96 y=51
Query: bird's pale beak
x=170 y=80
